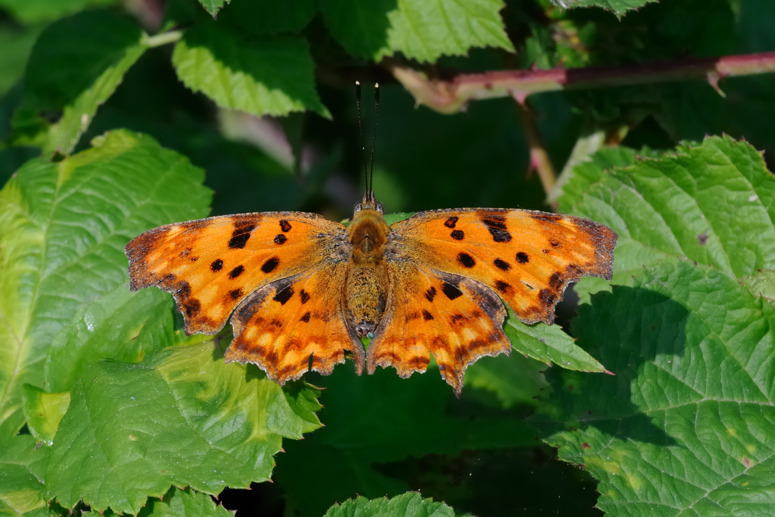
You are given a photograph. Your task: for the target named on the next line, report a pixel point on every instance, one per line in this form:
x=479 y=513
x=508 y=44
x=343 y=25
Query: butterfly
x=302 y=290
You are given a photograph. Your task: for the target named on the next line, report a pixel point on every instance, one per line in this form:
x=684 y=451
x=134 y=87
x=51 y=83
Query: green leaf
x=33 y=11
x=410 y=504
x=182 y=417
x=22 y=464
x=420 y=29
x=267 y=16
x=184 y=503
x=118 y=324
x=514 y=380
x=761 y=284
x=17 y=45
x=549 y=344
x=376 y=419
x=271 y=75
x=685 y=426
x=617 y=6
x=44 y=411
x=75 y=66
x=65 y=226
x=683 y=205
x=213 y=6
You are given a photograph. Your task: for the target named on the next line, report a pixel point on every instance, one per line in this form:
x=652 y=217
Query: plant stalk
x=453 y=95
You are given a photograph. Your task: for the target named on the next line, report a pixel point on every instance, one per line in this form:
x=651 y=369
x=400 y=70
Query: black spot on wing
x=427 y=315
x=554 y=244
x=466 y=260
x=283 y=295
x=450 y=223
x=237 y=271
x=522 y=257
x=280 y=238
x=192 y=307
x=546 y=296
x=216 y=266
x=238 y=241
x=451 y=291
x=458 y=235
x=430 y=294
x=304 y=296
x=499 y=235
x=241 y=234
x=502 y=264
x=496 y=225
x=285 y=226
x=503 y=287
x=270 y=265
x=306 y=317
x=555 y=281
x=547 y=217
x=235 y=294
x=184 y=289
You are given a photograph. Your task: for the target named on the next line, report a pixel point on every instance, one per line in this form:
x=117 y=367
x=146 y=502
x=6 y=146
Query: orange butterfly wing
x=296 y=324
x=528 y=258
x=457 y=319
x=213 y=265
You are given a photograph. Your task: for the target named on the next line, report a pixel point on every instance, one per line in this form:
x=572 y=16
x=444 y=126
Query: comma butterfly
x=302 y=290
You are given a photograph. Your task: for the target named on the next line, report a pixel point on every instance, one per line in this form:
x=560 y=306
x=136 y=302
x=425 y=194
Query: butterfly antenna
x=360 y=130
x=374 y=140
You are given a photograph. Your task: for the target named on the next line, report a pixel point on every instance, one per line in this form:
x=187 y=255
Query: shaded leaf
x=268 y=16
x=410 y=504
x=376 y=419
x=272 y=75
x=17 y=45
x=65 y=226
x=514 y=380
x=419 y=29
x=685 y=425
x=75 y=66
x=182 y=417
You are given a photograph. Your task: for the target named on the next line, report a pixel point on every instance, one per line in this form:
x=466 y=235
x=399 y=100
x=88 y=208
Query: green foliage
x=688 y=432
x=223 y=424
x=405 y=505
x=110 y=114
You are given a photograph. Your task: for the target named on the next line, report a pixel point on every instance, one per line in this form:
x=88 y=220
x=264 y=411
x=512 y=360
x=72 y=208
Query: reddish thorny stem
x=451 y=96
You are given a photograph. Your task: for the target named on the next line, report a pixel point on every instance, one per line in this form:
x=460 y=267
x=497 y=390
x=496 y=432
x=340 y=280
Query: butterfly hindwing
x=211 y=265
x=527 y=257
x=457 y=319
x=296 y=324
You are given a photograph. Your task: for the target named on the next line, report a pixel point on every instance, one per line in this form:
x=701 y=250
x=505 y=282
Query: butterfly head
x=369 y=203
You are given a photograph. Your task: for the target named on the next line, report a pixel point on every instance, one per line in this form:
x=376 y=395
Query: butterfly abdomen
x=366 y=284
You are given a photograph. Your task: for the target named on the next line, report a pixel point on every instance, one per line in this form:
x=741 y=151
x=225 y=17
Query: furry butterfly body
x=302 y=290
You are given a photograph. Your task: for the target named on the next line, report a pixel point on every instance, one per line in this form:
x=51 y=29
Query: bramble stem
x=163 y=39
x=451 y=96
x=539 y=158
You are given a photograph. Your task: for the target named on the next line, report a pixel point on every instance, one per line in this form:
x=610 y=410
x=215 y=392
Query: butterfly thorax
x=366 y=287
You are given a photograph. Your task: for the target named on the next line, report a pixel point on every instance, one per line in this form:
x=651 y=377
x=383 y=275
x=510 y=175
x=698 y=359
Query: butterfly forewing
x=527 y=257
x=211 y=265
